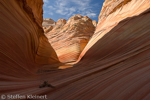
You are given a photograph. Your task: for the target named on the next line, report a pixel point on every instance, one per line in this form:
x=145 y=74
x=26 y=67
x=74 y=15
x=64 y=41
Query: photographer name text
x=18 y=96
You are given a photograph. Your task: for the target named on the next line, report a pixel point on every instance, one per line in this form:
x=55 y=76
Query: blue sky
x=64 y=9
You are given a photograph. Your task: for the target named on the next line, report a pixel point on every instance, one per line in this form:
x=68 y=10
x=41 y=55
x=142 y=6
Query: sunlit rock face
x=69 y=38
x=112 y=14
x=23 y=46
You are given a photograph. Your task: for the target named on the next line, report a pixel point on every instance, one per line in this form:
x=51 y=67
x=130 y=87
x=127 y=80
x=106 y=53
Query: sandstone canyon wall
x=113 y=13
x=68 y=38
x=119 y=52
x=23 y=46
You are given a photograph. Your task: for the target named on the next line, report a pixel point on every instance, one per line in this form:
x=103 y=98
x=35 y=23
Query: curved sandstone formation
x=69 y=38
x=23 y=46
x=115 y=64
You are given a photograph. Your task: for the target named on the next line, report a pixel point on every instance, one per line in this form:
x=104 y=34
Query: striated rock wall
x=69 y=38
x=23 y=46
x=112 y=14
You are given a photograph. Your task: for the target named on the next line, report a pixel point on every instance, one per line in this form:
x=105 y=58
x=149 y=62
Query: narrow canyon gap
x=68 y=38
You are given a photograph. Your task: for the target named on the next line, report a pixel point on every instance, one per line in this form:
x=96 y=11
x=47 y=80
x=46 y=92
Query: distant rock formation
x=59 y=24
x=94 y=23
x=69 y=38
x=48 y=22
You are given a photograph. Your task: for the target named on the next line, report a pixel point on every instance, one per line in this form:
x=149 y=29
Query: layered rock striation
x=69 y=38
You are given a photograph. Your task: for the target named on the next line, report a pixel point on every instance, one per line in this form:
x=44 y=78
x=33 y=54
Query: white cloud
x=63 y=8
x=51 y=7
x=45 y=1
x=50 y=13
x=72 y=7
x=45 y=5
x=60 y=11
x=44 y=11
x=91 y=14
x=82 y=3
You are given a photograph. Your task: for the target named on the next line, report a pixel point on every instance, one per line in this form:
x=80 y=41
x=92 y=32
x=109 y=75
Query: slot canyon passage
x=111 y=59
